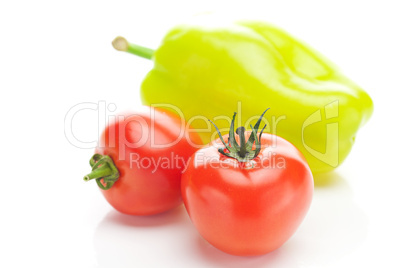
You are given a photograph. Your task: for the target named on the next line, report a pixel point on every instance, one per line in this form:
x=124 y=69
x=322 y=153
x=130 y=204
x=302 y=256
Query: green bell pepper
x=209 y=70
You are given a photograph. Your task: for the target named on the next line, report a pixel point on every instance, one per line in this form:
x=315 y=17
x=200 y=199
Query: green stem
x=121 y=44
x=243 y=152
x=100 y=172
x=103 y=168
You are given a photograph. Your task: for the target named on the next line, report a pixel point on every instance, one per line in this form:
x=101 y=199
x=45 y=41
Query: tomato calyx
x=103 y=168
x=243 y=152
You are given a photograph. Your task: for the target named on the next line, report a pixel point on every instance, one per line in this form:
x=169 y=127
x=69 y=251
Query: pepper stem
x=121 y=44
x=243 y=152
x=104 y=169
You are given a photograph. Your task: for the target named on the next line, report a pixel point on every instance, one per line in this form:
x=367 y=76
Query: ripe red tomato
x=140 y=159
x=250 y=207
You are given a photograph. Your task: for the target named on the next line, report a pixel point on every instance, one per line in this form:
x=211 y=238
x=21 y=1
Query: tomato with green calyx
x=247 y=198
x=140 y=159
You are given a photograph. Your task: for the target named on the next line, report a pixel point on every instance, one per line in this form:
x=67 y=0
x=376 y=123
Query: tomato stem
x=243 y=152
x=240 y=132
x=104 y=171
x=121 y=44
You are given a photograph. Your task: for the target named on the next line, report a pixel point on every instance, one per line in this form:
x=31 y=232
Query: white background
x=57 y=54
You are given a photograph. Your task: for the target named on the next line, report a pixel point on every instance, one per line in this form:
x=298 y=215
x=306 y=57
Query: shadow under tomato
x=169 y=217
x=215 y=256
x=140 y=241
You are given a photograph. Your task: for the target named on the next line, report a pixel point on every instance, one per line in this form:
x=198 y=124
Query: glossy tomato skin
x=146 y=186
x=248 y=208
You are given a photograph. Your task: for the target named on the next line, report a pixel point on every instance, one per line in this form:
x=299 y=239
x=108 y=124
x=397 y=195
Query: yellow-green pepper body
x=208 y=71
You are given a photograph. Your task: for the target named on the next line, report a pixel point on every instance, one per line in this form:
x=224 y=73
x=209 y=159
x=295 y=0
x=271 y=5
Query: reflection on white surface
x=127 y=241
x=333 y=228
